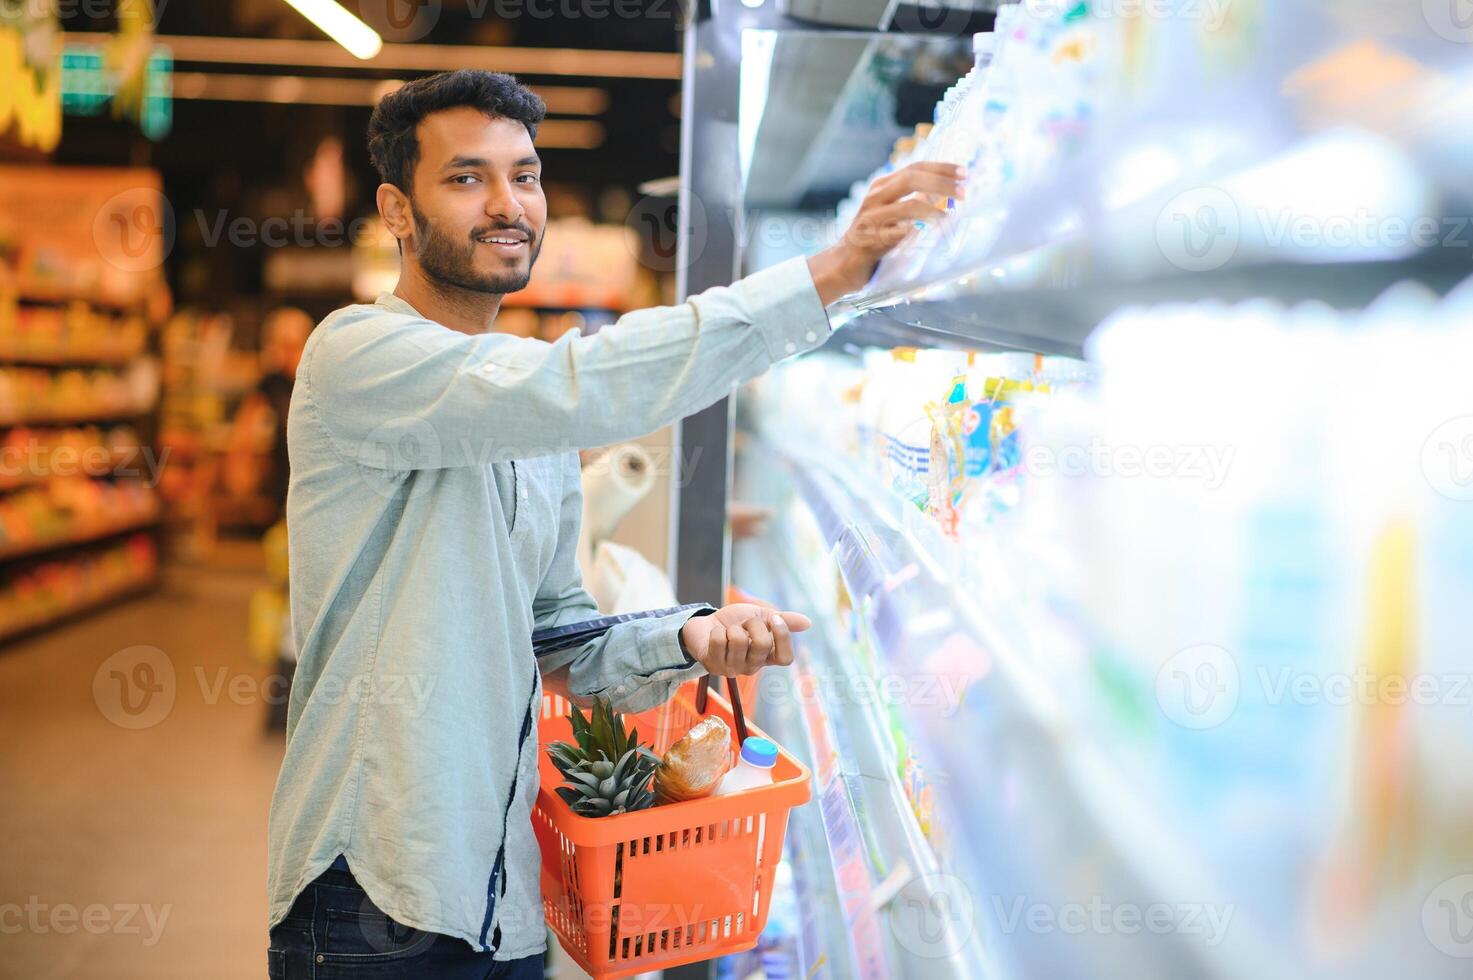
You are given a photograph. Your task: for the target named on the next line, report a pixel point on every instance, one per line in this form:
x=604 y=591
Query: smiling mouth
x=506 y=241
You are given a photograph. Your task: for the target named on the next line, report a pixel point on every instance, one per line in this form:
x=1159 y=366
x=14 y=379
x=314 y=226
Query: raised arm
x=411 y=394
x=401 y=395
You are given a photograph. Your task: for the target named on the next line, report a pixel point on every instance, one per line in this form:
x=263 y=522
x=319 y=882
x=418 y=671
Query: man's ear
x=397 y=211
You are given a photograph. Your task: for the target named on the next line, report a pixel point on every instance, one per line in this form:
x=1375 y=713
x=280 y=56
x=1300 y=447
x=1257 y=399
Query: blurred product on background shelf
x=71 y=333
x=30 y=455
x=52 y=591
x=223 y=399
x=69 y=510
x=29 y=394
x=270 y=629
x=257 y=468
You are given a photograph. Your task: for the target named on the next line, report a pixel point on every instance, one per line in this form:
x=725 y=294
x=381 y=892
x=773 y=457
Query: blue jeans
x=334 y=931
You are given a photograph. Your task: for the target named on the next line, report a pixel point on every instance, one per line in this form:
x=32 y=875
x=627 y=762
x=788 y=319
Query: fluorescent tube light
x=334 y=20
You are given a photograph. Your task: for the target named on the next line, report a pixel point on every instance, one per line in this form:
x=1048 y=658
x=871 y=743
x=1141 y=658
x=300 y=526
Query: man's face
x=479 y=211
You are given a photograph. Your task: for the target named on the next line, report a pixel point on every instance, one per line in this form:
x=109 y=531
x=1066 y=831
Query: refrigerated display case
x=1128 y=500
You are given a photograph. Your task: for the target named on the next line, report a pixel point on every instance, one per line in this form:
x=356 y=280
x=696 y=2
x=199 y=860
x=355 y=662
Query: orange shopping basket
x=673 y=884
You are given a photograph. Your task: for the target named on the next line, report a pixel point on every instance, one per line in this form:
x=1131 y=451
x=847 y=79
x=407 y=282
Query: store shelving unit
x=85 y=604
x=86 y=536
x=1050 y=300
x=821 y=53
x=1036 y=803
x=1096 y=837
x=52 y=577
x=867 y=833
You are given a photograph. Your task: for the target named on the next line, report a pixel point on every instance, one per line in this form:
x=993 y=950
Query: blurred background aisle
x=165 y=824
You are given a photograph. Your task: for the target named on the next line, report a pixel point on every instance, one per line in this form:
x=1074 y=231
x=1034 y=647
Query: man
x=433 y=520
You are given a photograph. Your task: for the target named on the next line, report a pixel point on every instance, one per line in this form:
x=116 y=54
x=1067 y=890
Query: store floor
x=131 y=853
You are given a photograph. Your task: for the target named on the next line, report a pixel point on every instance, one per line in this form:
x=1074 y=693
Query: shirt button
x=810 y=336
x=791 y=347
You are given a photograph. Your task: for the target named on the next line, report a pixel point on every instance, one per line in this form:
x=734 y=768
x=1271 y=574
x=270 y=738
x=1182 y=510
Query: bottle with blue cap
x=753 y=769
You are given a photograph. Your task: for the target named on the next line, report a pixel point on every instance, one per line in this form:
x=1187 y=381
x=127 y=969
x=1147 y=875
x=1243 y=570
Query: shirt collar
x=390 y=301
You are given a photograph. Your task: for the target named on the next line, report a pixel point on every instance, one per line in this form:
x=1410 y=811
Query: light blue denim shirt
x=433 y=520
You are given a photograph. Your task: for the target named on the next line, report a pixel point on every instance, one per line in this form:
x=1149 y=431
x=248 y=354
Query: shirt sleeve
x=636 y=665
x=404 y=393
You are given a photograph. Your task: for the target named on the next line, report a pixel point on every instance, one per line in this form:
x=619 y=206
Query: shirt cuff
x=680 y=639
x=663 y=667
x=786 y=308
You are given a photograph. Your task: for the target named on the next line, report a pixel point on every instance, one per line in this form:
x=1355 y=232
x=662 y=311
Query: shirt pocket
x=536 y=507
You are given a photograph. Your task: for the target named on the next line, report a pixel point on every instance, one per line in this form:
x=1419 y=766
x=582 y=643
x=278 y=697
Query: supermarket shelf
x=1050 y=300
x=826 y=942
x=33 y=479
x=33 y=548
x=65 y=360
x=878 y=328
x=870 y=794
x=100 y=417
x=22 y=482
x=825 y=949
x=35 y=298
x=1045 y=812
x=92 y=604
x=1047 y=294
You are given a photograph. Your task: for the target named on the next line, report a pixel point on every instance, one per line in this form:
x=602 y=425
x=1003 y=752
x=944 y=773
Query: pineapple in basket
x=607 y=771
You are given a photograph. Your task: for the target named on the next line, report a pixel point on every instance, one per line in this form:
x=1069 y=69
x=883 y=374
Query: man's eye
x=528 y=178
x=462 y=178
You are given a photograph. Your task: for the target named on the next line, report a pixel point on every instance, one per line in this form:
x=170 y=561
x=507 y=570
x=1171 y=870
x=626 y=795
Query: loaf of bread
x=694 y=765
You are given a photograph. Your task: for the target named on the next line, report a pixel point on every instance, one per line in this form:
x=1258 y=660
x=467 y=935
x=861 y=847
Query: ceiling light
x=360 y=40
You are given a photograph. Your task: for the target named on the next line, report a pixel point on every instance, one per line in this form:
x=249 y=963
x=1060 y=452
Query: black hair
x=393 y=142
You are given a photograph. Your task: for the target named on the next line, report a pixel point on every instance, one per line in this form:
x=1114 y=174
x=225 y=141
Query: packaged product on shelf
x=1029 y=102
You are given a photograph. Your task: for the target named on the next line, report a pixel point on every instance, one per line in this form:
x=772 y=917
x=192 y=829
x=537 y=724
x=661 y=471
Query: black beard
x=450 y=264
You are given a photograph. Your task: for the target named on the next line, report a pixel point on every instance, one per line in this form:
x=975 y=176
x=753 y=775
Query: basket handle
x=733 y=595
x=738 y=717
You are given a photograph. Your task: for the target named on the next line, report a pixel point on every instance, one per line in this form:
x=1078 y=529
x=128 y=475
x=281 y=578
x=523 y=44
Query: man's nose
x=502 y=204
